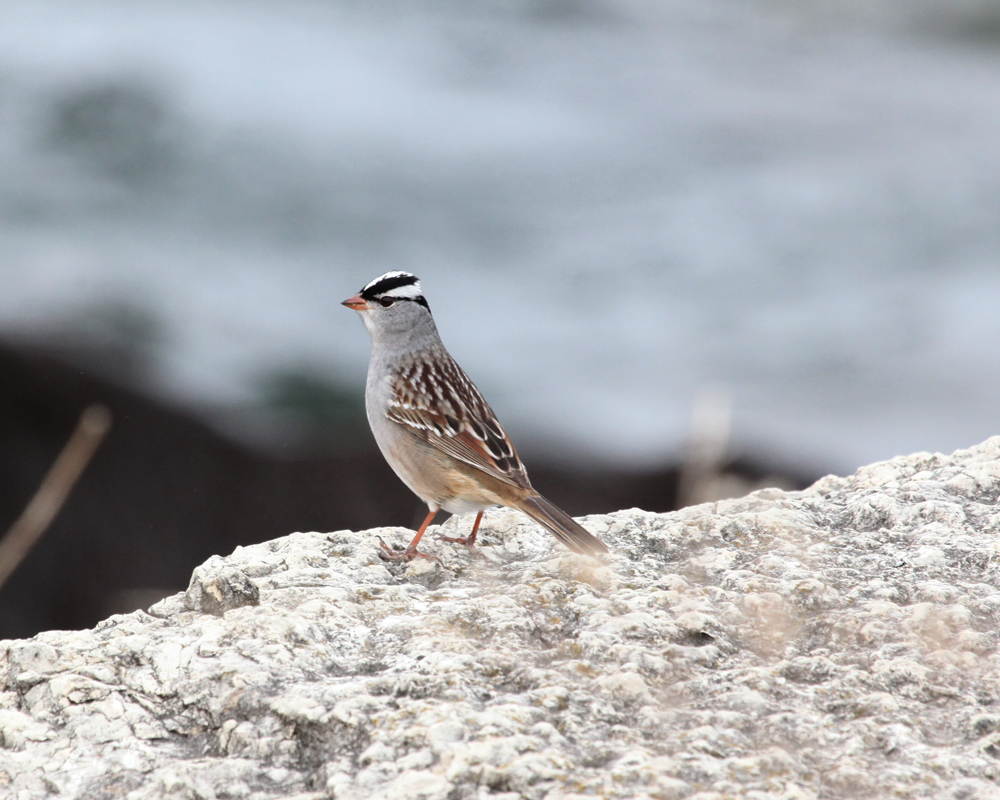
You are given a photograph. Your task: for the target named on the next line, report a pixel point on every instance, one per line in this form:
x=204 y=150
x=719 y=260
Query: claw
x=468 y=541
x=408 y=554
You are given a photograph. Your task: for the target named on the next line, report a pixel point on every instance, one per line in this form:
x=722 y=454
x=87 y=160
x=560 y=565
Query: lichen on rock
x=837 y=642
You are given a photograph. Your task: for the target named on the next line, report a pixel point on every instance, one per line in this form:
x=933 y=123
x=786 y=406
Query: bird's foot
x=408 y=554
x=468 y=541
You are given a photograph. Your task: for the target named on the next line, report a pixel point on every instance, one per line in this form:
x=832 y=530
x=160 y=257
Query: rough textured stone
x=839 y=642
x=216 y=587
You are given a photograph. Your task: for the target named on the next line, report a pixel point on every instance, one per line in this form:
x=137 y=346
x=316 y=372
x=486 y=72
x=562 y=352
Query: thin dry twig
x=48 y=500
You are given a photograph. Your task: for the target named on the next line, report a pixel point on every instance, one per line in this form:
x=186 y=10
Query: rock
x=216 y=587
x=836 y=642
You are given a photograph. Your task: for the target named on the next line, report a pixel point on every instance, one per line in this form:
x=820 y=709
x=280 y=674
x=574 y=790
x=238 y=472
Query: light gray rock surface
x=839 y=642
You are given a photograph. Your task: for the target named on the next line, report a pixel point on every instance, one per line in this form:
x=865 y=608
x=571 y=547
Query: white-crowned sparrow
x=434 y=427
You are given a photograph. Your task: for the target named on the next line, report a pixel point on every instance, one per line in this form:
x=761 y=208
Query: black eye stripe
x=389 y=300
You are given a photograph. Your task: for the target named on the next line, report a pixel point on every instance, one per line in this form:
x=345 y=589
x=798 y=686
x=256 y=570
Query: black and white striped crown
x=398 y=284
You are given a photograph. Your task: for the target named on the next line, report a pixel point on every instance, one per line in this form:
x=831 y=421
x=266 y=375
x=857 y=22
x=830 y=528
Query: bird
x=434 y=427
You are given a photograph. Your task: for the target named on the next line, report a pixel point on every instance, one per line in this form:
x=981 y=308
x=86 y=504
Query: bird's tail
x=562 y=526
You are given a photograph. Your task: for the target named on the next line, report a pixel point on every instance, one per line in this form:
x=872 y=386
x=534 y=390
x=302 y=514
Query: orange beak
x=356 y=302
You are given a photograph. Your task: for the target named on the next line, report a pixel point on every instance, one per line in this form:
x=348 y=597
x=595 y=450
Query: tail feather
x=562 y=526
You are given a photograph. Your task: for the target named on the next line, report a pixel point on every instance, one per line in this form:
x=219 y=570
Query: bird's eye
x=385 y=302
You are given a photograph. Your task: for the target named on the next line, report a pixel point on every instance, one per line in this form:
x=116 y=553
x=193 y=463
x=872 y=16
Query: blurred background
x=683 y=246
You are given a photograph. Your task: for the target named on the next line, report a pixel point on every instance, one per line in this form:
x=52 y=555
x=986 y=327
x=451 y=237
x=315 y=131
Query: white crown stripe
x=411 y=291
x=388 y=277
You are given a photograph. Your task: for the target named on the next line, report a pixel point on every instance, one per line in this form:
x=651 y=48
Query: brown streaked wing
x=443 y=406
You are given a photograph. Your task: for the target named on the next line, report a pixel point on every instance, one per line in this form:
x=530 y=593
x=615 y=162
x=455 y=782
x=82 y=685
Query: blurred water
x=611 y=205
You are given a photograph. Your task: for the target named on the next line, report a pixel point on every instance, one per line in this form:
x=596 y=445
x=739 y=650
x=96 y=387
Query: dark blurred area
x=165 y=491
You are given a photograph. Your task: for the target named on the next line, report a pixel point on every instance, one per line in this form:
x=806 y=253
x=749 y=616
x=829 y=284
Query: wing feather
x=438 y=402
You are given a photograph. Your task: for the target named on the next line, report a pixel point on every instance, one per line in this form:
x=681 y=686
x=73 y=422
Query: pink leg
x=410 y=552
x=470 y=540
